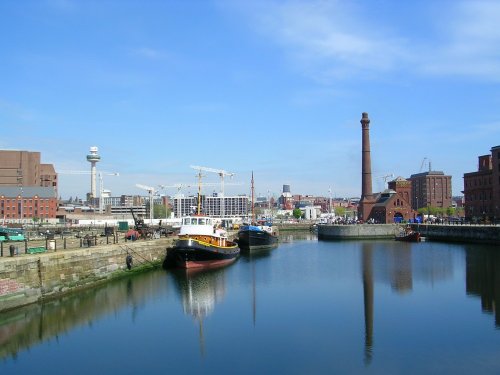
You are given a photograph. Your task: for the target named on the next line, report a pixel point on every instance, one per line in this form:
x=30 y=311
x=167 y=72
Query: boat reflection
x=200 y=290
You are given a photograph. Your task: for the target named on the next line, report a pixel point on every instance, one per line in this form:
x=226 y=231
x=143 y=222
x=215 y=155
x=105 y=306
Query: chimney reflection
x=367 y=265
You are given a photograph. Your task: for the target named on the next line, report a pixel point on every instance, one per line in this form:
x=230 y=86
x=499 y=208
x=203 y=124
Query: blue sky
x=274 y=87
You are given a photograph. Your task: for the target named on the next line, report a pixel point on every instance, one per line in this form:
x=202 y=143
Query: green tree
x=160 y=211
x=340 y=211
x=297 y=213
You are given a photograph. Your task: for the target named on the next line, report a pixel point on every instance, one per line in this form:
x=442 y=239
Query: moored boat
x=202 y=245
x=257 y=236
x=408 y=235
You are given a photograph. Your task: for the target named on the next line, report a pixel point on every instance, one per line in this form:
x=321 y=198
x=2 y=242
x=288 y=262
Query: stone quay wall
x=487 y=234
x=27 y=279
x=357 y=231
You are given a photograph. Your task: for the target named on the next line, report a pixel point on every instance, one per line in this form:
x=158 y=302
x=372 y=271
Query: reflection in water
x=23 y=328
x=200 y=290
x=367 y=271
x=483 y=278
x=290 y=237
x=253 y=257
x=416 y=288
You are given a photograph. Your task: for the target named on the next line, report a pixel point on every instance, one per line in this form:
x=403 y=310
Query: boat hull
x=409 y=237
x=256 y=240
x=191 y=253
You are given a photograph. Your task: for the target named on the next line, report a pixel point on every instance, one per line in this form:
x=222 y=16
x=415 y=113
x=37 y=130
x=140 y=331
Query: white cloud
x=328 y=40
x=467 y=42
x=331 y=40
x=151 y=53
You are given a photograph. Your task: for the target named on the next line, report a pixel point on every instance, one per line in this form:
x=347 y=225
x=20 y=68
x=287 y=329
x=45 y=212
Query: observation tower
x=93 y=157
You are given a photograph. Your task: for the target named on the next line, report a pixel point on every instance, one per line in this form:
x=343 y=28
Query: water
x=307 y=307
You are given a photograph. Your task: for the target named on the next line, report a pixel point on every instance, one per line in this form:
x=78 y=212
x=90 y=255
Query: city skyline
x=274 y=87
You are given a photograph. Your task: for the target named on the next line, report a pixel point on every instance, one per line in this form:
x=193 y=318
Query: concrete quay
x=27 y=278
x=481 y=234
x=357 y=231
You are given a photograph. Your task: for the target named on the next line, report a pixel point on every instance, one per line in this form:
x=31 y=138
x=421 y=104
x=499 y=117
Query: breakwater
x=357 y=231
x=30 y=278
x=487 y=234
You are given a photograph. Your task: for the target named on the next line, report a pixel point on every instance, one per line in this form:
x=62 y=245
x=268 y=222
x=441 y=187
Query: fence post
x=26 y=246
x=1 y=248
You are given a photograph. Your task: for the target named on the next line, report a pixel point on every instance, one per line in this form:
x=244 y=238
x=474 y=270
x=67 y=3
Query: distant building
x=23 y=204
x=482 y=188
x=285 y=201
x=430 y=189
x=215 y=206
x=23 y=168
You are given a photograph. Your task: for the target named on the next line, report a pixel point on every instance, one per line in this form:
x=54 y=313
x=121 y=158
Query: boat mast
x=199 y=193
x=253 y=212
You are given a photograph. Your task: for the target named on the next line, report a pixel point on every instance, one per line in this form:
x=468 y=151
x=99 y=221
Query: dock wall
x=357 y=231
x=487 y=234
x=29 y=278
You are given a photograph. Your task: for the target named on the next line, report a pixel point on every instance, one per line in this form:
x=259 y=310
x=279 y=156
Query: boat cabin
x=201 y=225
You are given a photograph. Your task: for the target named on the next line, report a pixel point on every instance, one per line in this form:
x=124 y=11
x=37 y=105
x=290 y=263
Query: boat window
x=202 y=221
x=186 y=221
x=194 y=221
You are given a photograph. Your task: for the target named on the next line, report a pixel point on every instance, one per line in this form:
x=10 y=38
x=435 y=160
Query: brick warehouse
x=482 y=188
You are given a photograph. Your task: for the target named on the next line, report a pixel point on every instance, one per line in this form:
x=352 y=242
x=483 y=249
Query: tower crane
x=151 y=191
x=222 y=173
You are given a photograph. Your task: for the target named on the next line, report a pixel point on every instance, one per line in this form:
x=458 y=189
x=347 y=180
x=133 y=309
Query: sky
x=273 y=87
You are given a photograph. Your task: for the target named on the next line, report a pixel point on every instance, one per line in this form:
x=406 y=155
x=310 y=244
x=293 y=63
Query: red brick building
x=432 y=189
x=393 y=204
x=482 y=188
x=22 y=204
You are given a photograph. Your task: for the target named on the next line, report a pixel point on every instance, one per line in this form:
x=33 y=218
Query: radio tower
x=93 y=158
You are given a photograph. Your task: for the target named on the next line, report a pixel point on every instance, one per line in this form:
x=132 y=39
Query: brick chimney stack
x=366 y=162
x=367 y=199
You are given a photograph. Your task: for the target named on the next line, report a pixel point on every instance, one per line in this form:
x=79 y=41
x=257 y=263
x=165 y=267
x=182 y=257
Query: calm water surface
x=307 y=307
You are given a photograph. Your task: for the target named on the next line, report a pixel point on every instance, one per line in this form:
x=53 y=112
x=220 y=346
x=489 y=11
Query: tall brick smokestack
x=367 y=198
x=366 y=162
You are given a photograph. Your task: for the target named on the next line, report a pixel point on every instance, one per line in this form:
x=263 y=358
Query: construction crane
x=101 y=184
x=222 y=173
x=151 y=191
x=386 y=177
x=423 y=162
